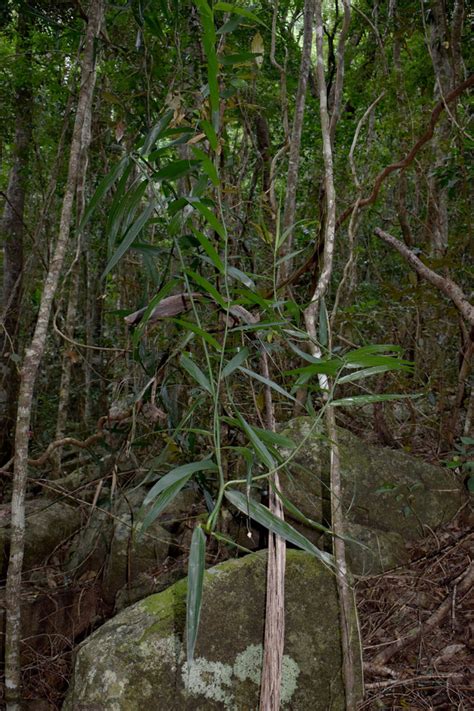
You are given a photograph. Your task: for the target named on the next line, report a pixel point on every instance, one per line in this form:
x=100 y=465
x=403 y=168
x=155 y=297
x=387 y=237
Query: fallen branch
x=445 y=285
x=413 y=680
x=462 y=584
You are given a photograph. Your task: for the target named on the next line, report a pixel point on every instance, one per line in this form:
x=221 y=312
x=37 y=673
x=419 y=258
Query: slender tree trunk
x=29 y=372
x=11 y=235
x=346 y=603
x=71 y=314
x=295 y=139
x=444 y=50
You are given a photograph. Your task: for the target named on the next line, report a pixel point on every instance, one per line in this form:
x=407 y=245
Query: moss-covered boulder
x=390 y=498
x=137 y=660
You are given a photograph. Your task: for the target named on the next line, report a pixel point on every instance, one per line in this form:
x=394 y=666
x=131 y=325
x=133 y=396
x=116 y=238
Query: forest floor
x=420 y=617
x=417 y=626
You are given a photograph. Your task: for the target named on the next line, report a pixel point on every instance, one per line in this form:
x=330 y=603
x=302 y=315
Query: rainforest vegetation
x=216 y=217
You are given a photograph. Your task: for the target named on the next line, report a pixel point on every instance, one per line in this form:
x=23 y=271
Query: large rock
x=137 y=659
x=48 y=524
x=131 y=567
x=390 y=498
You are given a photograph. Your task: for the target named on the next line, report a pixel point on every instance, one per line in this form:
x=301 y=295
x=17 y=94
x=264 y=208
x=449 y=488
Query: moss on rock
x=390 y=498
x=138 y=658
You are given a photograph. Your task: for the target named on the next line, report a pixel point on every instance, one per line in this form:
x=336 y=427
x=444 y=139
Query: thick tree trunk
x=11 y=235
x=29 y=370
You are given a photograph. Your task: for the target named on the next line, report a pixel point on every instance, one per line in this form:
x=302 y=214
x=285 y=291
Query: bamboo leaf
x=236 y=361
x=124 y=207
x=102 y=190
x=241 y=276
x=211 y=135
x=156 y=132
x=359 y=400
x=267 y=382
x=262 y=515
x=180 y=473
x=210 y=250
x=189 y=326
x=275 y=439
x=207 y=286
x=207 y=164
x=238 y=10
x=197 y=561
x=365 y=373
x=176 y=169
x=134 y=230
x=228 y=541
x=160 y=504
x=327 y=367
x=355 y=359
x=260 y=449
x=323 y=323
x=196 y=373
x=209 y=216
x=209 y=43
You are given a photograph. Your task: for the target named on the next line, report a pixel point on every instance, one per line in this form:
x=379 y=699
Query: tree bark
x=295 y=139
x=346 y=602
x=29 y=370
x=12 y=229
x=270 y=690
x=73 y=300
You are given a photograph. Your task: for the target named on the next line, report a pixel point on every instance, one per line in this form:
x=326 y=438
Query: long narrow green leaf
x=267 y=382
x=302 y=354
x=365 y=373
x=207 y=164
x=358 y=360
x=134 y=230
x=178 y=474
x=236 y=361
x=323 y=323
x=209 y=249
x=122 y=197
x=132 y=204
x=207 y=286
x=156 y=132
x=368 y=399
x=327 y=367
x=189 y=326
x=196 y=566
x=176 y=169
x=241 y=276
x=196 y=373
x=377 y=348
x=238 y=10
x=262 y=515
x=161 y=503
x=211 y=135
x=102 y=190
x=260 y=449
x=209 y=216
x=275 y=438
x=209 y=42
x=230 y=542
